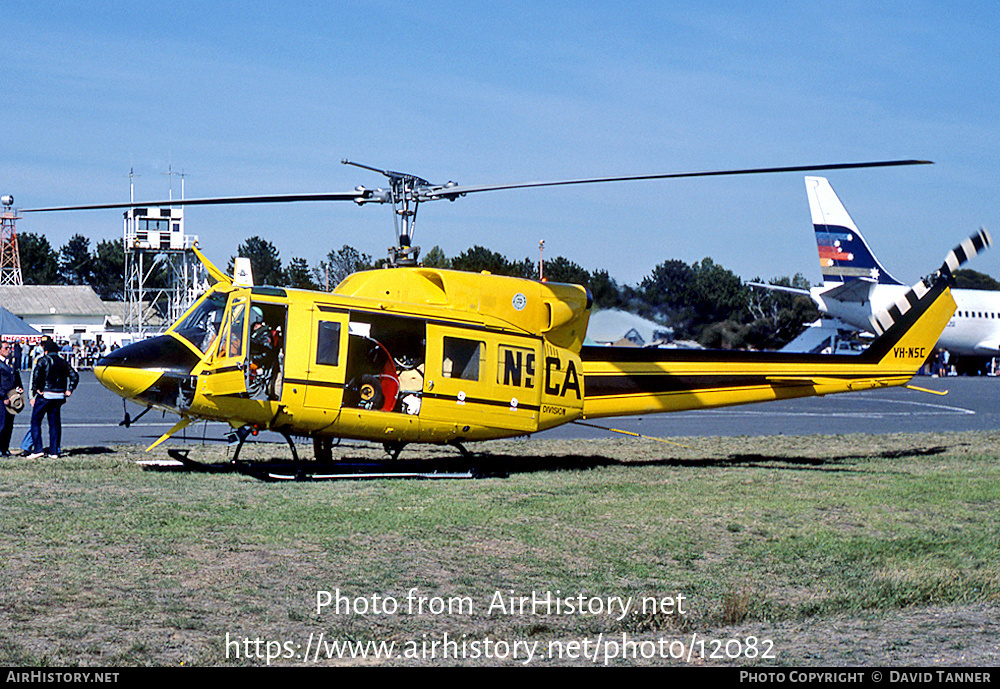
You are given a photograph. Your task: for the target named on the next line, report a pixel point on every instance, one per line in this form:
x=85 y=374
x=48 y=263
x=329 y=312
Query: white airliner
x=856 y=286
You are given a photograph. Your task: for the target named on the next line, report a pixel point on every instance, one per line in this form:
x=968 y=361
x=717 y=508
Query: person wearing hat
x=51 y=383
x=10 y=392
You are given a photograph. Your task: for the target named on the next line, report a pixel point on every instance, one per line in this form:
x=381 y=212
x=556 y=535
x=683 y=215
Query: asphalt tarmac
x=92 y=414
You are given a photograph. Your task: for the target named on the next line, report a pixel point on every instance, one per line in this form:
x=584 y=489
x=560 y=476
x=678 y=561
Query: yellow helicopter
x=412 y=354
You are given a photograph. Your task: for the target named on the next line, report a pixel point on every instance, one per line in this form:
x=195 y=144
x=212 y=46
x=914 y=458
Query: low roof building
x=621 y=328
x=67 y=312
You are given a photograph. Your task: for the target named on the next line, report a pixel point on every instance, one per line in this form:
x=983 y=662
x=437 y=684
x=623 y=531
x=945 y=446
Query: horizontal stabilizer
x=859 y=291
x=791 y=382
x=779 y=288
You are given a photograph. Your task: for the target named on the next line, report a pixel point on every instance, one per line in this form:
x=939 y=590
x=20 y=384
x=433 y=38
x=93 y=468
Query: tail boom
x=623 y=381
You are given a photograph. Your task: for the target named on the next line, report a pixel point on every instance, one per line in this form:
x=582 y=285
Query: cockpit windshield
x=201 y=326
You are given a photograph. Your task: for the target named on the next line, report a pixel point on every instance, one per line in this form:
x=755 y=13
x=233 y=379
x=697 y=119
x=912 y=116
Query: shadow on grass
x=846 y=462
x=84 y=451
x=487 y=465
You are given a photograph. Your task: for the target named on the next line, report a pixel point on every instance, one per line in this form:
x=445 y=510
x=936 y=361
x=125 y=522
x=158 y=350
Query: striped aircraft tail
x=620 y=380
x=957 y=257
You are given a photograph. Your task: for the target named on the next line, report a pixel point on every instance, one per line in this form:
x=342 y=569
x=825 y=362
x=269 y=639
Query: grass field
x=819 y=550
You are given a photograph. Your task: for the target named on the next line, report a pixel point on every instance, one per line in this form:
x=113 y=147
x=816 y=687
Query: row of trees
x=73 y=264
x=702 y=301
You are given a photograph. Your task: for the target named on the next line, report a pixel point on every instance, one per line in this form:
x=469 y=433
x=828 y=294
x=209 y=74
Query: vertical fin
x=968 y=249
x=844 y=255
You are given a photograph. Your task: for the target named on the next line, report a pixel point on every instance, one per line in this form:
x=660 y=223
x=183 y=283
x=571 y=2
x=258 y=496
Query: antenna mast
x=10 y=257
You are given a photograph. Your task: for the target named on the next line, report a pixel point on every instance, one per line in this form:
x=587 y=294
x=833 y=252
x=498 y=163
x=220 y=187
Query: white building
x=66 y=312
x=624 y=329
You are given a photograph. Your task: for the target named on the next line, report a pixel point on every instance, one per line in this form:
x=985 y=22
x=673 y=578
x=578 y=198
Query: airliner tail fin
x=844 y=255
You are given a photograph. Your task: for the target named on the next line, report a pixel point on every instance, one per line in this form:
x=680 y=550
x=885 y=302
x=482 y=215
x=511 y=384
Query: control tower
x=163 y=276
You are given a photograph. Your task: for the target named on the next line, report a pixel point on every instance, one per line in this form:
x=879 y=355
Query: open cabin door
x=364 y=375
x=227 y=371
x=385 y=363
x=360 y=362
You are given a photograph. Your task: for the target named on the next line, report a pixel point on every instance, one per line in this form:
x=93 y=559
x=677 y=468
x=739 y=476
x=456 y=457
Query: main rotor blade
x=217 y=201
x=451 y=192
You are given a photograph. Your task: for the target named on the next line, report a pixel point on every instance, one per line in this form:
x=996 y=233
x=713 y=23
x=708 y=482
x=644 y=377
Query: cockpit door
x=226 y=373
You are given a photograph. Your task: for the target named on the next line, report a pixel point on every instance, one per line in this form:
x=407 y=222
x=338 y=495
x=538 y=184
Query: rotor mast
x=404 y=193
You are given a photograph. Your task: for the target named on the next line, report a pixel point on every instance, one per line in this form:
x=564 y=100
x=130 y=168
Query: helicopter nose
x=148 y=371
x=123 y=381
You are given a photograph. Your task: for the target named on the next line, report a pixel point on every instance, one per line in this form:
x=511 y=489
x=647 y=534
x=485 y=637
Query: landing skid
x=179 y=461
x=394 y=449
x=349 y=472
x=241 y=434
x=325 y=468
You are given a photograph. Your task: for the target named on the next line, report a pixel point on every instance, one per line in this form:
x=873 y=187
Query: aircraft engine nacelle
x=567 y=313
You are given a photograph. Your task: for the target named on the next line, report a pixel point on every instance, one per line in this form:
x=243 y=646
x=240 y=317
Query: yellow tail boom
x=621 y=381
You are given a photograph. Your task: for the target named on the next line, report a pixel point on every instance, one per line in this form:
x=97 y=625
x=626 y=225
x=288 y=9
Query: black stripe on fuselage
x=480 y=400
x=163 y=353
x=669 y=383
x=313 y=383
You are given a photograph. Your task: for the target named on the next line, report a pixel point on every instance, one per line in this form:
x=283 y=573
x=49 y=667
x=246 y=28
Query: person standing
x=10 y=379
x=51 y=383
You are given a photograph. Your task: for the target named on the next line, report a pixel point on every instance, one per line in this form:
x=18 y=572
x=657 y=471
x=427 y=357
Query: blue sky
x=259 y=97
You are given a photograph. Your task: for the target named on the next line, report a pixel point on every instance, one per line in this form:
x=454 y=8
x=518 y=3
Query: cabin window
x=203 y=322
x=461 y=358
x=236 y=335
x=231 y=344
x=328 y=343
